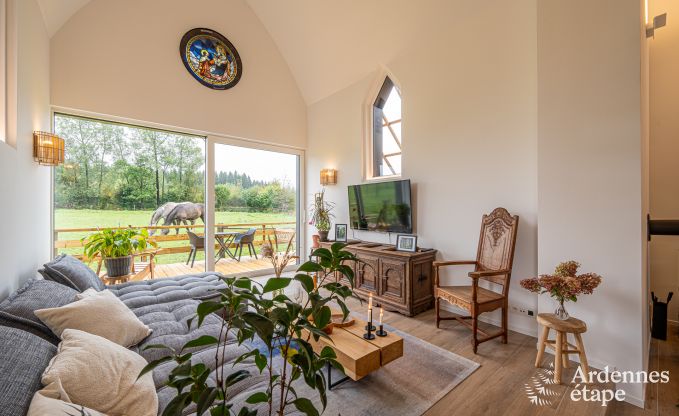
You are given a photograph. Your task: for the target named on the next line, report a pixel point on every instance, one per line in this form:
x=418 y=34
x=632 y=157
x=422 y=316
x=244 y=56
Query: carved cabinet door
x=393 y=276
x=366 y=273
x=341 y=278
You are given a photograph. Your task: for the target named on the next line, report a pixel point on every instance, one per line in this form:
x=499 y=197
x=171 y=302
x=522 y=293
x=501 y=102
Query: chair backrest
x=246 y=237
x=196 y=240
x=496 y=245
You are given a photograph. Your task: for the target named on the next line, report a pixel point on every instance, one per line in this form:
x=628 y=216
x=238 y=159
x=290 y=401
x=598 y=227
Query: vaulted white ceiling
x=57 y=12
x=328 y=45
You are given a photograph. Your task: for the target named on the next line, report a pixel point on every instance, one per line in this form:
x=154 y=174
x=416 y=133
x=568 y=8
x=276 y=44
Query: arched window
x=386 y=132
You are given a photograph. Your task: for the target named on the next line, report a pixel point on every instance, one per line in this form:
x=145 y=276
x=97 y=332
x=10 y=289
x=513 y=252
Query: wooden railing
x=264 y=230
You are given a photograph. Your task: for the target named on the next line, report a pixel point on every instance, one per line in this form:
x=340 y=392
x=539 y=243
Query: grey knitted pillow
x=72 y=272
x=17 y=310
x=23 y=358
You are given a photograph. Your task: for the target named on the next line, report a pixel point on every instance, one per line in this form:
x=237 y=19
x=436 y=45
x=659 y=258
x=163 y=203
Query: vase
x=561 y=312
x=323 y=235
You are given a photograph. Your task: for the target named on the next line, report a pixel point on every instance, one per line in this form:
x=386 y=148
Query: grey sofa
x=27 y=345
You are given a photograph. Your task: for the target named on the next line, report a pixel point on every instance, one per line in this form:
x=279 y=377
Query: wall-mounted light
x=48 y=148
x=328 y=177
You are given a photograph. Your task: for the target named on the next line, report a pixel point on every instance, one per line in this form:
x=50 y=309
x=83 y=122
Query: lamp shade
x=328 y=177
x=48 y=148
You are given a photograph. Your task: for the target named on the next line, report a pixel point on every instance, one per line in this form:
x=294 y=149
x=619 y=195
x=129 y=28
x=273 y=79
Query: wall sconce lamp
x=328 y=177
x=658 y=22
x=48 y=148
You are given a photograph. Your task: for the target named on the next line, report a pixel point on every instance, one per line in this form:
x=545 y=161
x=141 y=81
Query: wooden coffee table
x=359 y=356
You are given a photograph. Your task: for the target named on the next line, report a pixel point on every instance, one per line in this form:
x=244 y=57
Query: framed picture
x=210 y=58
x=341 y=233
x=405 y=242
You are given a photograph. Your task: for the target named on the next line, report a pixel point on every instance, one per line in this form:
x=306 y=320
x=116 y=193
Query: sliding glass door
x=118 y=176
x=256 y=207
x=185 y=190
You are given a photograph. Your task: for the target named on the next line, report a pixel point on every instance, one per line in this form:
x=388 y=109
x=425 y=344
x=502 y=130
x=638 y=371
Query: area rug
x=407 y=386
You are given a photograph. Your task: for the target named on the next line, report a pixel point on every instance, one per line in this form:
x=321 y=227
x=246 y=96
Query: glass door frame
x=210 y=222
x=211 y=139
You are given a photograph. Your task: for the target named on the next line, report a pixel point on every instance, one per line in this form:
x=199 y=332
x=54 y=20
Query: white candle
x=370 y=302
x=381 y=315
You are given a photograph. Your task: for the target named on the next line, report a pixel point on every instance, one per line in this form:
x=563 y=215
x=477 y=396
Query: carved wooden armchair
x=493 y=263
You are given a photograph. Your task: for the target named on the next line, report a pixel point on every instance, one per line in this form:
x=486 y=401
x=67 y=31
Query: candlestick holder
x=369 y=334
x=381 y=332
x=369 y=326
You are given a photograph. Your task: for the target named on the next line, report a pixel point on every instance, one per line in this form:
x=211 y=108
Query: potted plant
x=286 y=326
x=564 y=285
x=321 y=214
x=116 y=248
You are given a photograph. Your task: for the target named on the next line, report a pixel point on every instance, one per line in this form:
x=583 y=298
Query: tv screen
x=381 y=206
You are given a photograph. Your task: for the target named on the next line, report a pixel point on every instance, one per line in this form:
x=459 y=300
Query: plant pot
x=118 y=266
x=328 y=328
x=323 y=235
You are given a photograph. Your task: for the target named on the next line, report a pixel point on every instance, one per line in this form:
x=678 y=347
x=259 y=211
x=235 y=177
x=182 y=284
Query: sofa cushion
x=23 y=358
x=72 y=272
x=102 y=375
x=169 y=325
x=238 y=392
x=53 y=401
x=18 y=309
x=98 y=313
x=150 y=292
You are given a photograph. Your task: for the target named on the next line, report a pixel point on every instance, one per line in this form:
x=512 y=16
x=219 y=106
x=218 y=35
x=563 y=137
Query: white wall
x=24 y=185
x=664 y=67
x=590 y=168
x=122 y=58
x=469 y=132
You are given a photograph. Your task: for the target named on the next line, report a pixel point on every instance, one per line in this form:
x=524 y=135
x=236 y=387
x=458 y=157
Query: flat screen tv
x=381 y=206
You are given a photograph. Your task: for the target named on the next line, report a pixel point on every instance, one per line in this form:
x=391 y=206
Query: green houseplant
x=285 y=326
x=116 y=247
x=321 y=215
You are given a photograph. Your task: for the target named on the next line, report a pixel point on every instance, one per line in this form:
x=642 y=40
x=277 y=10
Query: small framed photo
x=406 y=242
x=341 y=233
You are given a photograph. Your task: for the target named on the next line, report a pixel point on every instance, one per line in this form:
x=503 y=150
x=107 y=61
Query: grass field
x=89 y=218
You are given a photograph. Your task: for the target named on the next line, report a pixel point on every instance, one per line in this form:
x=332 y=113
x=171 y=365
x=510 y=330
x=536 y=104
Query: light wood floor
x=499 y=385
x=661 y=399
x=224 y=266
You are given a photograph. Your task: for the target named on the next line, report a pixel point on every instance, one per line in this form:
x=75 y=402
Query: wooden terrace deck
x=225 y=266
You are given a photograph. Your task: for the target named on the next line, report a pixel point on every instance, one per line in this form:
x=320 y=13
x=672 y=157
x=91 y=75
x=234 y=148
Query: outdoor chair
x=246 y=238
x=197 y=243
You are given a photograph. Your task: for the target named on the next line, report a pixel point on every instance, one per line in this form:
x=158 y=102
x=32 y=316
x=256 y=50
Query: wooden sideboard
x=399 y=281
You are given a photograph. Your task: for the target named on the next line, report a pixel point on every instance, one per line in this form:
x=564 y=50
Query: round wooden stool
x=562 y=348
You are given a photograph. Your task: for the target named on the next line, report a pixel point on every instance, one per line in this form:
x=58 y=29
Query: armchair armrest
x=438 y=264
x=453 y=263
x=485 y=273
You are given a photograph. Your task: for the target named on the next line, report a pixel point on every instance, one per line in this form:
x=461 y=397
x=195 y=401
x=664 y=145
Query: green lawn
x=89 y=218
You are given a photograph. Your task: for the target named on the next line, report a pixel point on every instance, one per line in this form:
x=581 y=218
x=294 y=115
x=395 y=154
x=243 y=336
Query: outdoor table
x=225 y=238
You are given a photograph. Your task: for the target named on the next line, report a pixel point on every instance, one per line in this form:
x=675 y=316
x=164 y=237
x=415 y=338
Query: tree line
x=113 y=166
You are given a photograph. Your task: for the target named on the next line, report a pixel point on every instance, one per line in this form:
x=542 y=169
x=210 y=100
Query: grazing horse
x=161 y=213
x=183 y=212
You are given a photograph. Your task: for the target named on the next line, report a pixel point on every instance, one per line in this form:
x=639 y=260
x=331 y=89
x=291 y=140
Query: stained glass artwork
x=211 y=58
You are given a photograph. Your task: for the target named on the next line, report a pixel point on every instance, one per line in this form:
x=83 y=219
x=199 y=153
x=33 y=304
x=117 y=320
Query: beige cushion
x=101 y=375
x=99 y=313
x=53 y=401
